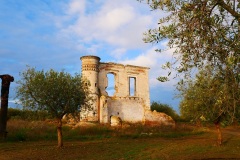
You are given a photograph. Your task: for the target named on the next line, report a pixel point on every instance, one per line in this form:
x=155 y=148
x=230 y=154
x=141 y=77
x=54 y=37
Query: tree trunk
x=219 y=133
x=6 y=80
x=59 y=133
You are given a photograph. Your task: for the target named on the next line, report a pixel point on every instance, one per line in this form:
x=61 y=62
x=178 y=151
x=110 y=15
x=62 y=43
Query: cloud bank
x=55 y=34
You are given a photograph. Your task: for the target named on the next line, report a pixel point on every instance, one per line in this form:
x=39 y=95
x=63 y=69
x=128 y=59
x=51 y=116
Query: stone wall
x=129 y=107
x=154 y=118
x=122 y=74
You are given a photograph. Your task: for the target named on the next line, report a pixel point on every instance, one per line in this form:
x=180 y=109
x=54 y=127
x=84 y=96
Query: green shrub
x=20 y=135
x=22 y=130
x=14 y=113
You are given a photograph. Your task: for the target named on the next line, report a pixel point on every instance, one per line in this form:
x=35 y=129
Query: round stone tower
x=90 y=72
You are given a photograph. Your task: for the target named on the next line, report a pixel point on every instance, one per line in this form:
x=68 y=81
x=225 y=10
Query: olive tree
x=58 y=93
x=209 y=98
x=202 y=33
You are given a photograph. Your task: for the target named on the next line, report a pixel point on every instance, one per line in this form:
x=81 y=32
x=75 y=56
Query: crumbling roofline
x=90 y=57
x=127 y=65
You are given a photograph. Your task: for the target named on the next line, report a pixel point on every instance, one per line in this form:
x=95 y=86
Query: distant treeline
x=30 y=115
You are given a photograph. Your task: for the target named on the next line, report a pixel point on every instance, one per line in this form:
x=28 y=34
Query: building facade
x=131 y=99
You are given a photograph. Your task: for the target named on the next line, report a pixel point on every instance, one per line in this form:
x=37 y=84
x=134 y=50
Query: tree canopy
x=58 y=93
x=202 y=32
x=205 y=37
x=210 y=99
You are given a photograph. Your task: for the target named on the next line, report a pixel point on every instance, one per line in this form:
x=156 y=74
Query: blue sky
x=55 y=34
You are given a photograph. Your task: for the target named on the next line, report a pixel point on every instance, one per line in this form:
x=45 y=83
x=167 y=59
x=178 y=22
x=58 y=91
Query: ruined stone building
x=131 y=106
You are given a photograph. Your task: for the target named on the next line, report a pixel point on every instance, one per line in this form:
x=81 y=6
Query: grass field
x=103 y=143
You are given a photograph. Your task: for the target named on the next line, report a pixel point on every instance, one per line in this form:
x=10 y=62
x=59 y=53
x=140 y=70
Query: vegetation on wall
x=165 y=108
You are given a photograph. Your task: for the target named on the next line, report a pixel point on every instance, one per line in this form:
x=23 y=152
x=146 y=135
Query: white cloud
x=148 y=59
x=117 y=53
x=120 y=25
x=115 y=23
x=76 y=7
x=54 y=34
x=154 y=60
x=111 y=20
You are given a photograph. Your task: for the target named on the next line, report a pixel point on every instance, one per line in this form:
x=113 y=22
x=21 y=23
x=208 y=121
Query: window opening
x=111 y=84
x=132 y=86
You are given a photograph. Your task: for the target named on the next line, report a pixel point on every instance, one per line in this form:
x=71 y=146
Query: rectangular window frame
x=132 y=86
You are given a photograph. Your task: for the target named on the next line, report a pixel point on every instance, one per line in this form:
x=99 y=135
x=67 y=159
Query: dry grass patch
x=103 y=142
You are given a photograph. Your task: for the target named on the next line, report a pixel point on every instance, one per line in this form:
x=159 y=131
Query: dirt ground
x=201 y=146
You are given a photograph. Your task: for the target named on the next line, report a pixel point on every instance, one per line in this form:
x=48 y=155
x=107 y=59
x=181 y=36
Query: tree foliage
x=58 y=93
x=210 y=98
x=203 y=34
